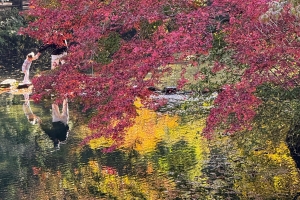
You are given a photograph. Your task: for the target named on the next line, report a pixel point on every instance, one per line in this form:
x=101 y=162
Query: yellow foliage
x=266 y=182
x=83 y=130
x=100 y=142
x=94 y=166
x=137 y=103
x=149 y=168
x=149 y=128
x=49 y=3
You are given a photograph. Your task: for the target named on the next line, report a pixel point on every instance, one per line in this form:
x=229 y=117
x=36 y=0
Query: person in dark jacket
x=58 y=49
x=59 y=129
x=57 y=52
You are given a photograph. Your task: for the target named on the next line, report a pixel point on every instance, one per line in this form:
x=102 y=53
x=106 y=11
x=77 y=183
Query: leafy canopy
x=128 y=45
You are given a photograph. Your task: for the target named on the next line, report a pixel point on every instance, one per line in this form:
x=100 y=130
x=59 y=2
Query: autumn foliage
x=126 y=46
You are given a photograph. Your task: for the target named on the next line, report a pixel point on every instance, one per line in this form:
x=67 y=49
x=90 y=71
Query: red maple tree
x=146 y=36
x=264 y=37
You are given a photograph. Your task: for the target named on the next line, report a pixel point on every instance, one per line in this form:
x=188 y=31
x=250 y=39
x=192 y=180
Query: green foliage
x=218 y=40
x=269 y=91
x=177 y=159
x=11 y=21
x=12 y=44
x=171 y=25
x=199 y=3
x=278 y=112
x=147 y=29
x=169 y=11
x=50 y=3
x=280 y=106
x=107 y=47
x=295 y=2
x=213 y=76
x=209 y=82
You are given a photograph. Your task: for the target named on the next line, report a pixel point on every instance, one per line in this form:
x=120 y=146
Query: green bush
x=11 y=43
x=13 y=46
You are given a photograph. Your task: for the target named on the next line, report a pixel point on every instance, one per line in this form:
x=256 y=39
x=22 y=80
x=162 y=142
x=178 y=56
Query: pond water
x=161 y=158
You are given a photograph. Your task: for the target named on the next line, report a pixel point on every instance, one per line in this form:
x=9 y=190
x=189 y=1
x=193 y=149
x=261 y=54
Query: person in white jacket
x=26 y=66
x=32 y=118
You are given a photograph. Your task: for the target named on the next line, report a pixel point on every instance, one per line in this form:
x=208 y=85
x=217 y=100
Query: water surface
x=161 y=158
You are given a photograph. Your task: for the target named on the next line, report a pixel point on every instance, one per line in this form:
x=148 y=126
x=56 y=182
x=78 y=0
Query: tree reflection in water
x=160 y=159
